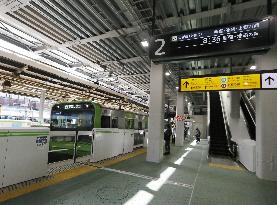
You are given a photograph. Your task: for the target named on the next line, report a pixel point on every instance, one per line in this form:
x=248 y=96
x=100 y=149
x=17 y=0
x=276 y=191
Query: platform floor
x=184 y=177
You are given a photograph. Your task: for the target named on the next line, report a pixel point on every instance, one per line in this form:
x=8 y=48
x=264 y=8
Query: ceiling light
x=253 y=67
x=167 y=73
x=144 y=43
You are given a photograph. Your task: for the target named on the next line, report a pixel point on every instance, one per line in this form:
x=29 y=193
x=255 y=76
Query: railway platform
x=186 y=176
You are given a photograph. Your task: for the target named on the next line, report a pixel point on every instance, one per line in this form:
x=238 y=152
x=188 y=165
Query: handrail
x=231 y=144
x=249 y=113
x=249 y=107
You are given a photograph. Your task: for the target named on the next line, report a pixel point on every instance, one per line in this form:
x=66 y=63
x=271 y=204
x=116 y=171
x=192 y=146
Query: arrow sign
x=186 y=83
x=269 y=79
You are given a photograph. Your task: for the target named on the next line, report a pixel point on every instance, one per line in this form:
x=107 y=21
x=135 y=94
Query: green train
x=78 y=129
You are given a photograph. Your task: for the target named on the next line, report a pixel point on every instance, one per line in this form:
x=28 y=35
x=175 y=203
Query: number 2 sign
x=158 y=51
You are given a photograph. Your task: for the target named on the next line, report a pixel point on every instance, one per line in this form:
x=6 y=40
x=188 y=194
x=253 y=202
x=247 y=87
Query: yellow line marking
x=66 y=175
x=228 y=167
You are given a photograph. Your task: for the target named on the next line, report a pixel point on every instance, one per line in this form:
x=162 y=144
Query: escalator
x=217 y=130
x=249 y=112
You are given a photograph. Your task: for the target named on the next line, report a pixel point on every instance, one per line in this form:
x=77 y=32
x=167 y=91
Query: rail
x=232 y=145
x=249 y=113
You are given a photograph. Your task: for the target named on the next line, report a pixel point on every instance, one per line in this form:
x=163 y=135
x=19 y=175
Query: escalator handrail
x=231 y=143
x=249 y=107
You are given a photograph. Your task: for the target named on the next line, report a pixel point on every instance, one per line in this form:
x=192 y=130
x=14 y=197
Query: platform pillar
x=266 y=118
x=179 y=141
x=235 y=104
x=156 y=114
x=41 y=106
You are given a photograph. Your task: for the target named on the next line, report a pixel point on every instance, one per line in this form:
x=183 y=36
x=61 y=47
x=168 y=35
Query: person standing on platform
x=197 y=135
x=167 y=135
x=173 y=133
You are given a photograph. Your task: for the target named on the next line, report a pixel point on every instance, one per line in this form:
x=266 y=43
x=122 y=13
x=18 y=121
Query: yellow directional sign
x=224 y=82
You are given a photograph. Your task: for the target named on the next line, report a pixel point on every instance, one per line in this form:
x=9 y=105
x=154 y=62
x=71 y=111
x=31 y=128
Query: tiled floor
x=184 y=177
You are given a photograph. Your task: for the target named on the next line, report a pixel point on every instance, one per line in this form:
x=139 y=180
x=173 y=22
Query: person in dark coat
x=197 y=135
x=167 y=135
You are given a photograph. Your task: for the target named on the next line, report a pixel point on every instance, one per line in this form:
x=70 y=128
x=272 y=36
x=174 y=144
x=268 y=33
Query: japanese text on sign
x=232 y=82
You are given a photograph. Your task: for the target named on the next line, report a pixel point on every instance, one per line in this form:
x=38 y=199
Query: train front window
x=72 y=119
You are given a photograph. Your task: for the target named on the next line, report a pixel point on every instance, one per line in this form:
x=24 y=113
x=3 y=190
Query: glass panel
x=84 y=145
x=61 y=148
x=115 y=123
x=105 y=122
x=131 y=123
x=140 y=125
x=139 y=137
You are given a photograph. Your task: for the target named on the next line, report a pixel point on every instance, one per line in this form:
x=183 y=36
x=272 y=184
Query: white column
x=41 y=106
x=266 y=118
x=156 y=114
x=235 y=104
x=179 y=141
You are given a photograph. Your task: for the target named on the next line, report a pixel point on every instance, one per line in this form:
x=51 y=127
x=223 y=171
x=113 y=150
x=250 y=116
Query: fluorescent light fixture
x=253 y=67
x=144 y=43
x=167 y=73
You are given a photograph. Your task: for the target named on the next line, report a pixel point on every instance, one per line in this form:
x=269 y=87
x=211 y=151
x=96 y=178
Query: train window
x=140 y=125
x=105 y=122
x=130 y=124
x=72 y=120
x=115 y=123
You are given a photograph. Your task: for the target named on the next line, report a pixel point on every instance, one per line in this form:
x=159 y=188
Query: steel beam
x=110 y=34
x=127 y=60
x=214 y=12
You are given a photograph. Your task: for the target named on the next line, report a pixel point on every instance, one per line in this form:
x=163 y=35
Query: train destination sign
x=237 y=38
x=252 y=81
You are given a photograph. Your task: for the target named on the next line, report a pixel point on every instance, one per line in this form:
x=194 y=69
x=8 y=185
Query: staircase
x=218 y=138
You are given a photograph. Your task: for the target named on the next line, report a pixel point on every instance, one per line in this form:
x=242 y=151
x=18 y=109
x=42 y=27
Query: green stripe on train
x=23 y=134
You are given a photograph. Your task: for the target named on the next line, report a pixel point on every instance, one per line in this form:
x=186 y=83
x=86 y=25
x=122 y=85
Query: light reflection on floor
x=143 y=197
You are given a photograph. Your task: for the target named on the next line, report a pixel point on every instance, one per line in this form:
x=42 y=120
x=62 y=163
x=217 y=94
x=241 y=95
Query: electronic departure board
x=237 y=38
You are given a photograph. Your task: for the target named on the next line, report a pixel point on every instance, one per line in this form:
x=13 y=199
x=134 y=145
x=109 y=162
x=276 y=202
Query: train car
x=81 y=131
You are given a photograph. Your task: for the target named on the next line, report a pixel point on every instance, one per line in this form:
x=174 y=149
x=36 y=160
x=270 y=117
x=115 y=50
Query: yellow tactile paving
x=228 y=167
x=110 y=162
x=69 y=174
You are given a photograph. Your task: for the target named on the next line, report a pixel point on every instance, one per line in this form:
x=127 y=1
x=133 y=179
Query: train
x=85 y=130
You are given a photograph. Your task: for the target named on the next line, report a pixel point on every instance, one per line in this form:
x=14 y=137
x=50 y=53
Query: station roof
x=92 y=49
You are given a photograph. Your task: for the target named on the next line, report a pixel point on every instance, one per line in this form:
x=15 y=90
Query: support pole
x=179 y=141
x=41 y=107
x=156 y=114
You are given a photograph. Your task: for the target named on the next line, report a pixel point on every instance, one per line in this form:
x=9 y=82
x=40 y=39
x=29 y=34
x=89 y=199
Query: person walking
x=167 y=135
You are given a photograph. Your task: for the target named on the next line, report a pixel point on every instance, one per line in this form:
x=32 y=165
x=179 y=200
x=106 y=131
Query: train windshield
x=70 y=117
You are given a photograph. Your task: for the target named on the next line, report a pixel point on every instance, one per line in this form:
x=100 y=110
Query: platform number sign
x=159 y=51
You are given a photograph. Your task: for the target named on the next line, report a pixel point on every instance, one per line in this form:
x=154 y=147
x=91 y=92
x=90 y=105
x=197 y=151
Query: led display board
x=237 y=38
x=263 y=80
